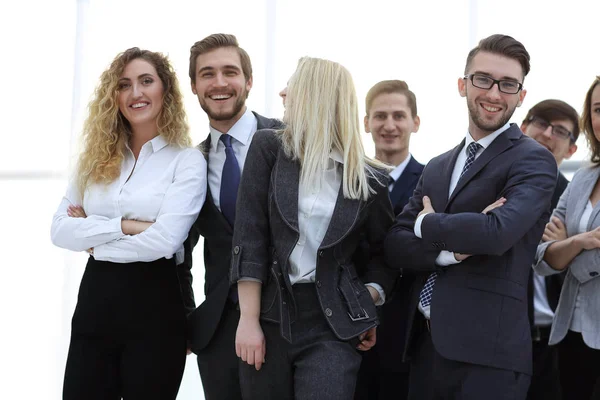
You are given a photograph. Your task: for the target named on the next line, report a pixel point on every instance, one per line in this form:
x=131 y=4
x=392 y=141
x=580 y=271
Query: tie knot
x=473 y=147
x=226 y=139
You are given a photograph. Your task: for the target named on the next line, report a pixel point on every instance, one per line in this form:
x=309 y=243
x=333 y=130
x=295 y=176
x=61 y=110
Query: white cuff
x=379 y=289
x=418 y=223
x=446 y=258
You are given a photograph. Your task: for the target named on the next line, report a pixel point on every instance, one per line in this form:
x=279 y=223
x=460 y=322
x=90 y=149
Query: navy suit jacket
x=405 y=185
x=218 y=234
x=394 y=313
x=479 y=306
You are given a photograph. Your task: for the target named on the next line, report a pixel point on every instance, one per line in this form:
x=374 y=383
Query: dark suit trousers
x=433 y=377
x=128 y=333
x=579 y=367
x=545 y=383
x=316 y=366
x=218 y=363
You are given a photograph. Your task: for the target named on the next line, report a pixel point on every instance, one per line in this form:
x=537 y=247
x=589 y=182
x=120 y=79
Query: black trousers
x=316 y=366
x=128 y=336
x=545 y=381
x=579 y=367
x=218 y=363
x=433 y=377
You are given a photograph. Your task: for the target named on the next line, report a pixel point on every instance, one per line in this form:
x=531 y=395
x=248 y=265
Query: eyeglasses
x=557 y=130
x=485 y=82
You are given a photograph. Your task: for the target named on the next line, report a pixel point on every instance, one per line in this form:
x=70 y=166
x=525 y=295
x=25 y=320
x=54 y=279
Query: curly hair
x=106 y=131
x=586 y=123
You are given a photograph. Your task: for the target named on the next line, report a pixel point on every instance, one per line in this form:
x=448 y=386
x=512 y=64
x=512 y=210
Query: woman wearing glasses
x=137 y=190
x=308 y=196
x=572 y=242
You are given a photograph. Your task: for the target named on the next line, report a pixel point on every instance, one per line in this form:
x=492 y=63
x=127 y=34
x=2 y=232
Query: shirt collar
x=486 y=141
x=157 y=143
x=336 y=156
x=240 y=131
x=396 y=172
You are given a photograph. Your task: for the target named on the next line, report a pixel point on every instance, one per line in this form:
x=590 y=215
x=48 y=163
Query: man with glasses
x=470 y=233
x=554 y=124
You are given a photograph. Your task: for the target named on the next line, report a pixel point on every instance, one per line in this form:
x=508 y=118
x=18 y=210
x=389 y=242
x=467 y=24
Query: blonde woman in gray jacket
x=571 y=241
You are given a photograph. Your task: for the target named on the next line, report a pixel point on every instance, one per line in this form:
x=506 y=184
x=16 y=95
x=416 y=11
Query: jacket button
x=321 y=253
x=275 y=262
x=236 y=250
x=328 y=312
x=593 y=273
x=318 y=284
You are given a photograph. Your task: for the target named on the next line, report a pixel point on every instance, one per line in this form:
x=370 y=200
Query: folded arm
x=180 y=207
x=528 y=191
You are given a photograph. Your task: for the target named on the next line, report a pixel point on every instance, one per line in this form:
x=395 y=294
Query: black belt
x=540 y=333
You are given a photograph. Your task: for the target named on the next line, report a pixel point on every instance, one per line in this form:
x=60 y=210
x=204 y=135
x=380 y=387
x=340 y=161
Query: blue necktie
x=425 y=295
x=230 y=181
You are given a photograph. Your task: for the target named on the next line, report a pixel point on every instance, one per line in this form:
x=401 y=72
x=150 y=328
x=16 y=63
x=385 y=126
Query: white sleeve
x=180 y=208
x=80 y=234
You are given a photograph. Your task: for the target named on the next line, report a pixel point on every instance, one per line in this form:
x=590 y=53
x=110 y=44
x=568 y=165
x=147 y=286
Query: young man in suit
x=555 y=125
x=471 y=231
x=391 y=119
x=221 y=78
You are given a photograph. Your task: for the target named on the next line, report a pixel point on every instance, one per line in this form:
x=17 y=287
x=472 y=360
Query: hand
x=250 y=343
x=367 y=339
x=498 y=203
x=427 y=207
x=555 y=230
x=76 y=212
x=588 y=240
x=133 y=227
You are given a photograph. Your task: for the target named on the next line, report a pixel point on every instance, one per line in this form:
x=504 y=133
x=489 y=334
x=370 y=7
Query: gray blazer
x=584 y=270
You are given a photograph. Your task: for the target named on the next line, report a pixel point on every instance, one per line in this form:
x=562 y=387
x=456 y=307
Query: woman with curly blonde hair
x=138 y=188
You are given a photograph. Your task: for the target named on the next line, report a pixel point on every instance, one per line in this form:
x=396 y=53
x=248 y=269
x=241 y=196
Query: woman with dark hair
x=571 y=241
x=307 y=198
x=137 y=189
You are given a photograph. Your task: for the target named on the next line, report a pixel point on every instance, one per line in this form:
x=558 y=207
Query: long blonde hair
x=322 y=115
x=106 y=131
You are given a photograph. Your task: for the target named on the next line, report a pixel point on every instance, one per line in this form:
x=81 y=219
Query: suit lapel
x=344 y=216
x=287 y=176
x=442 y=189
x=209 y=202
x=498 y=146
x=587 y=185
x=406 y=181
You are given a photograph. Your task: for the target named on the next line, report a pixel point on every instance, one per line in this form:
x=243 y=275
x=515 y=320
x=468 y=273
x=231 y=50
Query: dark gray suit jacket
x=266 y=232
x=217 y=233
x=479 y=306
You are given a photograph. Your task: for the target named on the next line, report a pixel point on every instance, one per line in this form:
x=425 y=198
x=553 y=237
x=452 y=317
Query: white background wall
x=54 y=51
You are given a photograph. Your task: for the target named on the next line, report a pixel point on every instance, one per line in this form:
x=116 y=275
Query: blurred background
x=54 y=51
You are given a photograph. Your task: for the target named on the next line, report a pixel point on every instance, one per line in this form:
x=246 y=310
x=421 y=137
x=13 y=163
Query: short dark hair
x=502 y=45
x=586 y=123
x=392 y=86
x=554 y=109
x=216 y=41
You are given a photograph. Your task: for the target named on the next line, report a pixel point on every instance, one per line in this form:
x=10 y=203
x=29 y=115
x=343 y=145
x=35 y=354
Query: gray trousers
x=317 y=365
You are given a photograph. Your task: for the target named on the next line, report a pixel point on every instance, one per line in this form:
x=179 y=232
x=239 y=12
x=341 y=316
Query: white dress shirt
x=315 y=209
x=166 y=186
x=446 y=257
x=241 y=133
x=397 y=172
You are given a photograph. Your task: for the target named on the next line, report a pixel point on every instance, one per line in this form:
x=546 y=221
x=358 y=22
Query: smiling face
x=221 y=87
x=140 y=94
x=490 y=109
x=559 y=147
x=390 y=122
x=595 y=112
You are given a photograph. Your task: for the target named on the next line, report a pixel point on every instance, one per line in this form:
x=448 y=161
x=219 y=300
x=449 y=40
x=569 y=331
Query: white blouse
x=167 y=186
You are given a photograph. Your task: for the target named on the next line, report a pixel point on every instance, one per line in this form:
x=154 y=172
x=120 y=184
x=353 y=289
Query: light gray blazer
x=584 y=270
